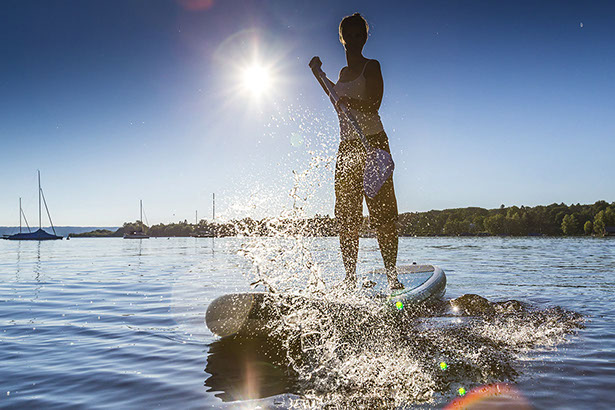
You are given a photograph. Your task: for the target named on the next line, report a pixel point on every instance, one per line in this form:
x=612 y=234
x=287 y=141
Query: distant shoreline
x=553 y=220
x=372 y=236
x=60 y=230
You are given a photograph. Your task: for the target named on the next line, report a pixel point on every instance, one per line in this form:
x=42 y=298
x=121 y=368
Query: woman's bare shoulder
x=372 y=67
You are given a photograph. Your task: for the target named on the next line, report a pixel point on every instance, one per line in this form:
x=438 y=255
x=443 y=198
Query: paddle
x=378 y=163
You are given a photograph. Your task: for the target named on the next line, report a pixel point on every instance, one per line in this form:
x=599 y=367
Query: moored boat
x=40 y=234
x=138 y=234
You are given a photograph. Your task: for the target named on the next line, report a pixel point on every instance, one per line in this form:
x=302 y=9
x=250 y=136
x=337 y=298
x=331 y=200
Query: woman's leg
x=349 y=245
x=349 y=204
x=388 y=242
x=383 y=216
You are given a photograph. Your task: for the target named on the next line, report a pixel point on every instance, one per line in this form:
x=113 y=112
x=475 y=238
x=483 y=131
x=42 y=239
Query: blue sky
x=486 y=103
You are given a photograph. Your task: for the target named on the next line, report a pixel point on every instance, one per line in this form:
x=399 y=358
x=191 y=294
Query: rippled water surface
x=119 y=323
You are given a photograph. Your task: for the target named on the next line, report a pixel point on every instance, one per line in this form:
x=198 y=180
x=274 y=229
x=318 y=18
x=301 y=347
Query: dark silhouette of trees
x=554 y=219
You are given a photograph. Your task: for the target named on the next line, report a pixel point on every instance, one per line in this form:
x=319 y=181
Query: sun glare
x=256 y=79
x=252 y=69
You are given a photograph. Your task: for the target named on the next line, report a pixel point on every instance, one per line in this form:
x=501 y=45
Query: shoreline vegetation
x=552 y=220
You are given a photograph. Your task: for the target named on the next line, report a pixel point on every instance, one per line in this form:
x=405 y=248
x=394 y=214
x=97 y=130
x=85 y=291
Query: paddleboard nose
x=227 y=314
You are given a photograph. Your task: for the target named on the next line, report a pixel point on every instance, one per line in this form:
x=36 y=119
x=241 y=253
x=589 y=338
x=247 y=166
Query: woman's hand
x=315 y=63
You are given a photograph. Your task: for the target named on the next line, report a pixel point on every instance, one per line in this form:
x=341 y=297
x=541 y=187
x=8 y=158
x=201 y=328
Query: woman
x=360 y=87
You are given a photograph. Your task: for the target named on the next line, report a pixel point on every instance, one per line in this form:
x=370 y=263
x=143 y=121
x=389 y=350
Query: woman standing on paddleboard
x=360 y=88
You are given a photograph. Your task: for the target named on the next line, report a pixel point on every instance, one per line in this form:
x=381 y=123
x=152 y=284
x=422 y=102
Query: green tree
x=599 y=223
x=495 y=224
x=588 y=227
x=454 y=226
x=599 y=206
x=609 y=216
x=604 y=218
x=478 y=222
x=512 y=211
x=570 y=225
x=137 y=226
x=515 y=224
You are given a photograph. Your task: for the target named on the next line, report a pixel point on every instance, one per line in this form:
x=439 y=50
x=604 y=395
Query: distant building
x=609 y=231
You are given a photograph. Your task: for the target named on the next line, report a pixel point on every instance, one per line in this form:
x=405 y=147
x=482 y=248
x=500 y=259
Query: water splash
x=343 y=349
x=348 y=350
x=283 y=260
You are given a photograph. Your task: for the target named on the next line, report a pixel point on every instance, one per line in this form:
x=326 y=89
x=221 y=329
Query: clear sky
x=486 y=103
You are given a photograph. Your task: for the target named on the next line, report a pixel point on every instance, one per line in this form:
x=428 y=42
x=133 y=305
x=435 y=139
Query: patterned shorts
x=349 y=192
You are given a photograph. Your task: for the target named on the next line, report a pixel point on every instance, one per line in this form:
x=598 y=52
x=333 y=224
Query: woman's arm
x=316 y=63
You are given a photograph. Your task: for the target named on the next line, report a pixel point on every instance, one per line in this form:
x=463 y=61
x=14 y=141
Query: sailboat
x=40 y=234
x=138 y=234
x=212 y=233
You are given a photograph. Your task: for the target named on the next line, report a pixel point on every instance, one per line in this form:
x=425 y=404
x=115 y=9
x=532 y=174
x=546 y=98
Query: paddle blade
x=379 y=167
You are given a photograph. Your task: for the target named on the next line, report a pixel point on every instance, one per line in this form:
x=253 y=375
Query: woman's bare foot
x=394 y=283
x=349 y=283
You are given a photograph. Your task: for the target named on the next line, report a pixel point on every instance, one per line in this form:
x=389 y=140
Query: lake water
x=99 y=323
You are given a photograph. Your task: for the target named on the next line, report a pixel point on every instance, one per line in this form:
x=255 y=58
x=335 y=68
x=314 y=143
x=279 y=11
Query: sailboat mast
x=141 y=211
x=40 y=225
x=19 y=214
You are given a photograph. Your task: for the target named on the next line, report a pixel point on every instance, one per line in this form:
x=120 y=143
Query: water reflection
x=18 y=266
x=135 y=248
x=246 y=369
x=37 y=264
x=37 y=270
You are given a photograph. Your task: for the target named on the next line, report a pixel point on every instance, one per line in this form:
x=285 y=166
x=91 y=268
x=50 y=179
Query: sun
x=256 y=79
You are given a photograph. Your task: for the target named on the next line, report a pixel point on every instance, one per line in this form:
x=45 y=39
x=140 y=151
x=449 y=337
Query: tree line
x=551 y=220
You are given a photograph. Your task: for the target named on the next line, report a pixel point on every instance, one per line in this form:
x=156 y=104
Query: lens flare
x=443 y=366
x=399 y=305
x=493 y=396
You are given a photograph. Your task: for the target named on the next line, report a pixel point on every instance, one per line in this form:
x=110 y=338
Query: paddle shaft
x=328 y=87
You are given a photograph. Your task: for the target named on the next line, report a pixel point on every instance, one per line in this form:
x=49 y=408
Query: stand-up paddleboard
x=422 y=283
x=251 y=314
